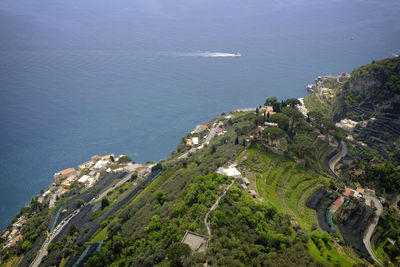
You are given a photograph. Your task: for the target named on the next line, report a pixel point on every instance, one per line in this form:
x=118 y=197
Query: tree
x=161 y=196
x=177 y=252
x=257 y=111
x=80 y=203
x=114 y=228
x=26 y=245
x=244 y=142
x=124 y=159
x=281 y=119
x=213 y=149
x=273 y=133
x=270 y=101
x=237 y=140
x=104 y=203
x=302 y=145
x=73 y=229
x=157 y=167
x=133 y=176
x=277 y=107
x=292 y=102
x=294 y=115
x=315 y=116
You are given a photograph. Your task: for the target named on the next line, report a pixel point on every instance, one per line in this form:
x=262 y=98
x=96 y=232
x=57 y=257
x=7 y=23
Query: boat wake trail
x=203 y=54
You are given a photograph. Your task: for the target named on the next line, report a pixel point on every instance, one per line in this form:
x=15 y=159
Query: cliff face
x=373 y=91
x=376 y=85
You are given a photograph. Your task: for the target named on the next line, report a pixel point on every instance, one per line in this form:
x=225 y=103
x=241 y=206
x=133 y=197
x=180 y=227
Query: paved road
x=374 y=221
x=56 y=231
x=120 y=182
x=63 y=223
x=210 y=136
x=53 y=198
x=372 y=224
x=335 y=159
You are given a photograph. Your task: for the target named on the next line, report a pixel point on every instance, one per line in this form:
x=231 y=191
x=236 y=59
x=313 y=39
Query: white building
x=84 y=179
x=195 y=140
x=232 y=171
x=271 y=124
x=101 y=164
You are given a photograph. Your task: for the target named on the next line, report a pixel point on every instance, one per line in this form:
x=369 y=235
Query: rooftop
x=196 y=241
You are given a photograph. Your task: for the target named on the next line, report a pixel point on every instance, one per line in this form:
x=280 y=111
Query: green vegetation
x=315 y=102
x=124 y=159
x=386 y=175
x=383 y=77
x=250 y=233
x=388 y=228
x=286 y=186
x=151 y=244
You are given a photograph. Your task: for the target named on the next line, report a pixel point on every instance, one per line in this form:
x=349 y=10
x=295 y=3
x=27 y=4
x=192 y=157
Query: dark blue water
x=79 y=78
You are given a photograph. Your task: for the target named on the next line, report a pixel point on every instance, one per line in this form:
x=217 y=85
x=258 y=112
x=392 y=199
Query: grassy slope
x=317 y=103
x=287 y=186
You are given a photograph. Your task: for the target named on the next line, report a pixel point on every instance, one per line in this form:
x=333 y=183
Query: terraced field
x=286 y=185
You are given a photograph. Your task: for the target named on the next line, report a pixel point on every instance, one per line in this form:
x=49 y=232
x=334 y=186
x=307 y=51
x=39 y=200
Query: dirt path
x=395 y=205
x=213 y=207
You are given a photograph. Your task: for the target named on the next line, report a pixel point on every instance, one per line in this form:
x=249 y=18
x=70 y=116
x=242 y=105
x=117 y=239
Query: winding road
x=373 y=222
x=337 y=157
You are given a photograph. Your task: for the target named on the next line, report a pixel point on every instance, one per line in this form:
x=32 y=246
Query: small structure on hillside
x=271 y=124
x=196 y=242
x=86 y=165
x=346 y=124
x=101 y=164
x=195 y=140
x=60 y=176
x=200 y=128
x=231 y=172
x=189 y=142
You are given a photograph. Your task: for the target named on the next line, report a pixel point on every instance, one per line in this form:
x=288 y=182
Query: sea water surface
x=79 y=78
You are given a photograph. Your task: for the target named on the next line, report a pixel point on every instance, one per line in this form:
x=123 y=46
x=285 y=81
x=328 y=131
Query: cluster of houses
x=66 y=177
x=347 y=124
x=200 y=132
x=13 y=236
x=318 y=81
x=347 y=194
x=89 y=172
x=233 y=172
x=344 y=199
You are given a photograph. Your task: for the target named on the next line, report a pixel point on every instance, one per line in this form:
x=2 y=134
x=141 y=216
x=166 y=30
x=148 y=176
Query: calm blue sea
x=79 y=78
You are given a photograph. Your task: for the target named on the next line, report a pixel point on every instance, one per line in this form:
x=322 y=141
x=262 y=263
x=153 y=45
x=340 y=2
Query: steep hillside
x=373 y=94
